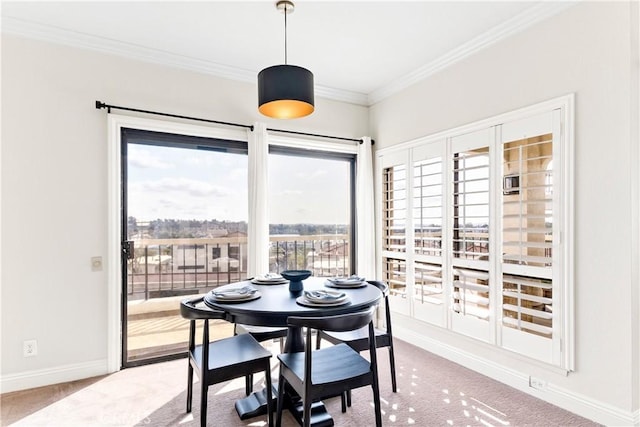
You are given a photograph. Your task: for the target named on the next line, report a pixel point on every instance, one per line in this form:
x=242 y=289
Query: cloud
x=186 y=186
x=141 y=158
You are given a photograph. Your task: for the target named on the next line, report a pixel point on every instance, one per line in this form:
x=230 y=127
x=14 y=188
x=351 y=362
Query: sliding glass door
x=184 y=232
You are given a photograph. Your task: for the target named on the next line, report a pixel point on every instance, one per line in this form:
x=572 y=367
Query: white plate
x=303 y=301
x=331 y=284
x=269 y=282
x=231 y=298
x=324 y=297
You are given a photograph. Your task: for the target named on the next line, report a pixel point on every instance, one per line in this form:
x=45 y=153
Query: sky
x=177 y=183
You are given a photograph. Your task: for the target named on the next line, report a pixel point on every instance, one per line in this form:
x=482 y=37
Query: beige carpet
x=431 y=392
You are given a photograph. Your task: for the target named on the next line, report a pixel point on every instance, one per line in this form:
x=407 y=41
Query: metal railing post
x=146 y=273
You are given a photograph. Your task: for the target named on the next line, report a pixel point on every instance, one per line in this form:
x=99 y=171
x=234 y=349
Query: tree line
x=193 y=228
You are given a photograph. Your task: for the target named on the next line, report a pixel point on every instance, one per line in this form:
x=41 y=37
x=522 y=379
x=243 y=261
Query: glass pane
x=471 y=292
x=528 y=201
x=394 y=209
x=187 y=217
x=471 y=204
x=427 y=206
x=428 y=284
x=310 y=214
x=394 y=273
x=527 y=304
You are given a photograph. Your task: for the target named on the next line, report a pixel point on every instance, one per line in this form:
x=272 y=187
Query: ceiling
x=359 y=51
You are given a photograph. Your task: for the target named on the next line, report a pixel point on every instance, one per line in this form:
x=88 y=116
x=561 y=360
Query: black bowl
x=296 y=275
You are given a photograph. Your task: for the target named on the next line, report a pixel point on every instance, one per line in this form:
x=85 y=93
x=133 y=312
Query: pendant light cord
x=285 y=34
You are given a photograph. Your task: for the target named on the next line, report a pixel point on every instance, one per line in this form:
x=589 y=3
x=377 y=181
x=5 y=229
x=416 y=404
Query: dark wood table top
x=277 y=303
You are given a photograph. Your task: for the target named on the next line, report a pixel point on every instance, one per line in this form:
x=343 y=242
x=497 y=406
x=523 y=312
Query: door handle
x=127 y=249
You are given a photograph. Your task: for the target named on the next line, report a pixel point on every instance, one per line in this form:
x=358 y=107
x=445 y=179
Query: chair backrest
x=339 y=323
x=194 y=309
x=384 y=288
x=380 y=285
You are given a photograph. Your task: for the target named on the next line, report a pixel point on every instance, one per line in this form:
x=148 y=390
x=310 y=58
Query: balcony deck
x=162 y=272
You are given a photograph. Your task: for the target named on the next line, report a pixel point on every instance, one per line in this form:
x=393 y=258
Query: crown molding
x=56 y=35
x=508 y=28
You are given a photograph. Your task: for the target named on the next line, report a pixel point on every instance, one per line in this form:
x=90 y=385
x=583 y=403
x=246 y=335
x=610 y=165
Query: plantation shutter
x=428 y=207
x=394 y=200
x=528 y=212
x=471 y=200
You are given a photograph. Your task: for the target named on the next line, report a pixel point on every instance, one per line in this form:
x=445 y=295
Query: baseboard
x=59 y=374
x=584 y=406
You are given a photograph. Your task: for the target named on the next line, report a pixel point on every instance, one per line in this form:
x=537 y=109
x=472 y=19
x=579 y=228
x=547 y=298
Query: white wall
x=54 y=189
x=588 y=50
x=54 y=185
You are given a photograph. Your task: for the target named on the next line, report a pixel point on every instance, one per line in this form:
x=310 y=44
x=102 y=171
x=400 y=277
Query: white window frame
x=115 y=122
x=561 y=351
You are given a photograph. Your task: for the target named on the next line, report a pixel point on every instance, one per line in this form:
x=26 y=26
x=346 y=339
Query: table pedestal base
x=256 y=404
x=319 y=415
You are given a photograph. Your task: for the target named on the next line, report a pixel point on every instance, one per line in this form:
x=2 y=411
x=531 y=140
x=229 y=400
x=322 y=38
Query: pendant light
x=285 y=91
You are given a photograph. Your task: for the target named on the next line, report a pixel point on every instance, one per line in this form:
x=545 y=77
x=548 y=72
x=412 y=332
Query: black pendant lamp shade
x=285 y=92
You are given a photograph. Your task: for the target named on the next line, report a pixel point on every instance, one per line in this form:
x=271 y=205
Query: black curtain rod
x=100 y=105
x=319 y=136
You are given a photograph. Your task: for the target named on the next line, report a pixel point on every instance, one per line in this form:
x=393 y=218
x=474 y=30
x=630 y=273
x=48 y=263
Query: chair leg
x=203 y=400
x=349 y=398
x=343 y=401
x=392 y=362
x=267 y=377
x=306 y=413
x=376 y=401
x=189 y=386
x=378 y=409
x=318 y=339
x=280 y=405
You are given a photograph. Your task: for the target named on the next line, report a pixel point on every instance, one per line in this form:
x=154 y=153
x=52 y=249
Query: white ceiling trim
x=52 y=34
x=86 y=41
x=508 y=28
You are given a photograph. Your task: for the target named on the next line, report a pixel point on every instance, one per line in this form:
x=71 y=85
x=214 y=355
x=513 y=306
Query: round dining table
x=272 y=308
x=276 y=303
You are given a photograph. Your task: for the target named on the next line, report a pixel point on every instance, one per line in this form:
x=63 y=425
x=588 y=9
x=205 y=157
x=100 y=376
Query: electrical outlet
x=537 y=383
x=30 y=348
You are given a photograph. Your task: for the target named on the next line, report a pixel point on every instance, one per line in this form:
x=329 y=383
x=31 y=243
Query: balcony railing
x=169 y=267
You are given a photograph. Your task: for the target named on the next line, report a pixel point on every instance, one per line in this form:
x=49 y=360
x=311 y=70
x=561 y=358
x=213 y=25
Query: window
x=470 y=188
x=527 y=227
x=480 y=253
x=311 y=222
x=428 y=206
x=394 y=223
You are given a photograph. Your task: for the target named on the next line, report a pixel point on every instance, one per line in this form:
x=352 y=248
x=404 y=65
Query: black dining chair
x=261 y=334
x=331 y=371
x=358 y=339
x=221 y=360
